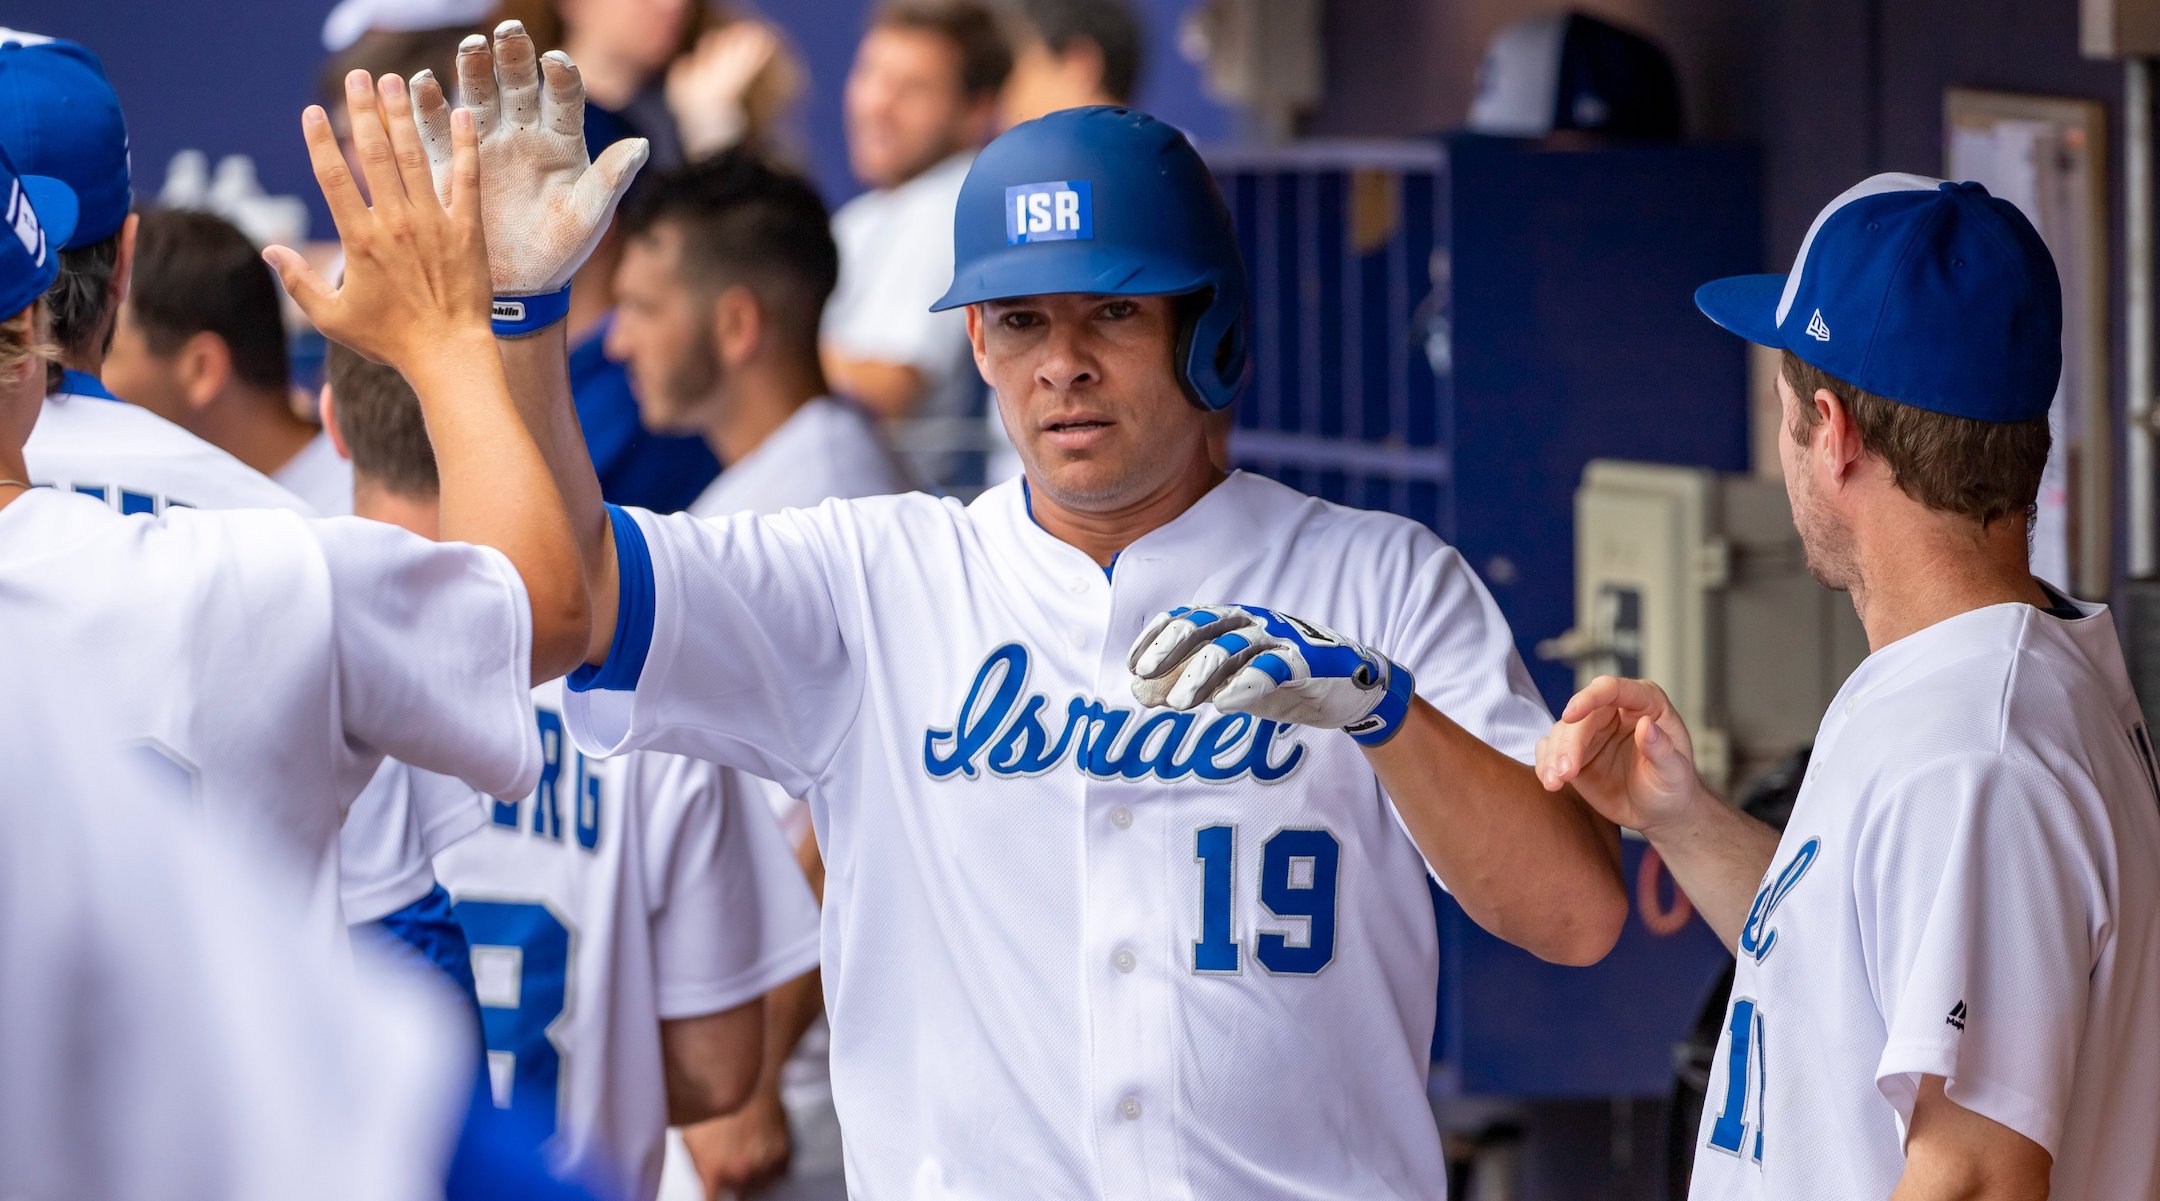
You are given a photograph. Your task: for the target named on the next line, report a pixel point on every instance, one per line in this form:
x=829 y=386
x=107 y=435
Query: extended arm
x=1954 y=1154
x=888 y=390
x=1620 y=745
x=415 y=296
x=1536 y=868
x=547 y=206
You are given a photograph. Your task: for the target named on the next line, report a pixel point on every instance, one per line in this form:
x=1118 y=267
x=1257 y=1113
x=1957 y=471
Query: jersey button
x=1121 y=817
x=1130 y=1107
x=1077 y=585
x=1124 y=960
x=1079 y=639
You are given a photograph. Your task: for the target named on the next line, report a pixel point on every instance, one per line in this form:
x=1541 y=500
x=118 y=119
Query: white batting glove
x=544 y=205
x=1240 y=658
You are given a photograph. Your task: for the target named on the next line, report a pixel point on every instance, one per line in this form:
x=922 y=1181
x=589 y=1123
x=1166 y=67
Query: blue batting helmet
x=1113 y=202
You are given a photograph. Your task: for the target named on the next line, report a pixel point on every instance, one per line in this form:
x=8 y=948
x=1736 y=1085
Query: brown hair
x=20 y=342
x=973 y=28
x=1983 y=470
x=195 y=272
x=378 y=419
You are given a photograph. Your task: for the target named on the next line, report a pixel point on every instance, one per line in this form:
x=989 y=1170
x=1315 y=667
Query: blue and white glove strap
x=517 y=316
x=1386 y=718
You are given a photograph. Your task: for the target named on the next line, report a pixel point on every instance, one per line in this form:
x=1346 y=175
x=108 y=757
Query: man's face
x=1086 y=389
x=640 y=33
x=663 y=330
x=1823 y=534
x=905 y=107
x=136 y=373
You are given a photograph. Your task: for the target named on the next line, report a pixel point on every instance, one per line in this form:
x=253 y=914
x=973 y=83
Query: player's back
x=86 y=441
x=245 y=654
x=621 y=893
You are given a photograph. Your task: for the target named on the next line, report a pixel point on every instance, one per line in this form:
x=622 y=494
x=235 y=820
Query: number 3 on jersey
x=1297 y=884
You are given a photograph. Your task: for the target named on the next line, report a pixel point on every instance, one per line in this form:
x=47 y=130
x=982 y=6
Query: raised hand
x=545 y=205
x=1269 y=664
x=708 y=89
x=1626 y=750
x=416 y=263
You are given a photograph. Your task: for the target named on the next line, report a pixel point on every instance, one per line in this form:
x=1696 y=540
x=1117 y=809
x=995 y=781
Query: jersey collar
x=82 y=383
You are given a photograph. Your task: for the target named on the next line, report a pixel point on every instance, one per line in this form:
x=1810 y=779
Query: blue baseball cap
x=1932 y=294
x=39 y=213
x=59 y=117
x=1108 y=201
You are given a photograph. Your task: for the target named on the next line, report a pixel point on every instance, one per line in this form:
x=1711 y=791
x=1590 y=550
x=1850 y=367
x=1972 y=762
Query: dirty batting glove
x=1241 y=658
x=543 y=203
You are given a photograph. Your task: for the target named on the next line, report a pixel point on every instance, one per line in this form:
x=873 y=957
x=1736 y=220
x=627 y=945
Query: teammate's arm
x=1536 y=868
x=1954 y=1154
x=1623 y=748
x=415 y=296
x=547 y=206
x=712 y=1061
x=888 y=390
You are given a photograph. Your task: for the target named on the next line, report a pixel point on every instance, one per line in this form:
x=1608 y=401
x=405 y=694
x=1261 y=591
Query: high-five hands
x=1272 y=665
x=1626 y=751
x=416 y=263
x=544 y=203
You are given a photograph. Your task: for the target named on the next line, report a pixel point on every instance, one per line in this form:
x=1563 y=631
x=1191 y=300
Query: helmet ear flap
x=1210 y=356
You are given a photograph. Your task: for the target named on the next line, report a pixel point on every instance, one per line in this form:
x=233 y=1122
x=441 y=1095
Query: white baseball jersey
x=392 y=833
x=617 y=895
x=86 y=441
x=1969 y=888
x=175 y=1029
x=271 y=660
x=1073 y=948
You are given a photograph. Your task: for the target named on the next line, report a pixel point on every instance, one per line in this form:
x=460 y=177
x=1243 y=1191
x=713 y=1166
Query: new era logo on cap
x=1817 y=329
x=23 y=220
x=1057 y=211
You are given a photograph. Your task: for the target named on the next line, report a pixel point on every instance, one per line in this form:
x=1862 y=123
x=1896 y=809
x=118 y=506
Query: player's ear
x=326 y=408
x=204 y=365
x=975 y=339
x=738 y=325
x=1837 y=432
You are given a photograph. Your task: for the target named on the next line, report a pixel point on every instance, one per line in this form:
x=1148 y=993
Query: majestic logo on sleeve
x=1759 y=937
x=1004 y=729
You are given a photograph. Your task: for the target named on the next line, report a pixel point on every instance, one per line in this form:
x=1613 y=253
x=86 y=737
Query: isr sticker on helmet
x=1057 y=211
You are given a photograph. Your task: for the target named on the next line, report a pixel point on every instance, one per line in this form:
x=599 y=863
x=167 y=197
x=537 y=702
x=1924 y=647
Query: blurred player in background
x=200 y=341
x=59 y=117
x=1070 y=54
x=626 y=919
x=920 y=101
x=726 y=267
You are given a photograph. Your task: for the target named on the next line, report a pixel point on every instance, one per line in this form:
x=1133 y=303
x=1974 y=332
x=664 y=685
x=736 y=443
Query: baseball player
x=266 y=663
x=60 y=118
x=1073 y=947
x=1949 y=964
x=63 y=120
x=626 y=918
